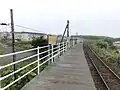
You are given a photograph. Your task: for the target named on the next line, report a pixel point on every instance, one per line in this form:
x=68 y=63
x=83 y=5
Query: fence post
x=59 y=49
x=38 y=58
x=62 y=48
x=49 y=53
x=66 y=46
x=52 y=53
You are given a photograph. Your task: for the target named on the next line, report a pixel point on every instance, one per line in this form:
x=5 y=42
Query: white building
x=117 y=43
x=24 y=36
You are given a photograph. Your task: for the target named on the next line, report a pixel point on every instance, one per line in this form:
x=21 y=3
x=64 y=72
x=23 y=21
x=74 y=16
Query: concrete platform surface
x=70 y=72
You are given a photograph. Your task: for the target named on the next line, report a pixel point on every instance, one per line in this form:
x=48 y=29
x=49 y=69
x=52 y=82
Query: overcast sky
x=93 y=17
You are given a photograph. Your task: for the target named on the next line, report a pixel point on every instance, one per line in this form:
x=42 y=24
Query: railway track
x=96 y=77
x=108 y=79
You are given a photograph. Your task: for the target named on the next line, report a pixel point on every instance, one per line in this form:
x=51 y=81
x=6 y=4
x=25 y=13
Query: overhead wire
x=27 y=28
x=21 y=26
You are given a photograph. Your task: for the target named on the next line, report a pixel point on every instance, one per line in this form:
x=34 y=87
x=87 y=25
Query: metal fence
x=46 y=54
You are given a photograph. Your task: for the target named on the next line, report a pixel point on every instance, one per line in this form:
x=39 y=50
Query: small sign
x=52 y=39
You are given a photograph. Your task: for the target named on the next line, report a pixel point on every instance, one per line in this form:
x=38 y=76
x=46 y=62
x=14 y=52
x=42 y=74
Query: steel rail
x=106 y=66
x=94 y=65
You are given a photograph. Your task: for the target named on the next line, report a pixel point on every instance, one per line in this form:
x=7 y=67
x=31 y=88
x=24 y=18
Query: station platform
x=69 y=72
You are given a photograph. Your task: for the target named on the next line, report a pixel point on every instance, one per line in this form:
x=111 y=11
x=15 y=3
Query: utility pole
x=13 y=40
x=66 y=29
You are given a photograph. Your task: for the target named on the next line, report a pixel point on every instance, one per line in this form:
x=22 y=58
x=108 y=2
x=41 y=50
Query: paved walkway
x=71 y=72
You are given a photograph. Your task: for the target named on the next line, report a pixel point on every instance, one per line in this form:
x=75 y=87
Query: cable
x=21 y=26
x=27 y=28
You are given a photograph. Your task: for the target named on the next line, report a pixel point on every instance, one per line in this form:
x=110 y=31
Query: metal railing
x=45 y=53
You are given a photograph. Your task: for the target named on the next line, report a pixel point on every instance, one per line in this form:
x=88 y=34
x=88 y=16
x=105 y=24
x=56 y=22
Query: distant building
x=24 y=36
x=3 y=34
x=117 y=44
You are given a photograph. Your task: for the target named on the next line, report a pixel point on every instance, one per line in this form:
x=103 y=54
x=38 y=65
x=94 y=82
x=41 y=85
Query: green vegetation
x=106 y=50
x=40 y=41
x=4 y=39
x=91 y=37
x=18 y=85
x=21 y=47
x=1 y=50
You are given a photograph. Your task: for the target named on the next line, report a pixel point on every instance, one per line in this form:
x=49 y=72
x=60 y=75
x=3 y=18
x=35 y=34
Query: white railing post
x=38 y=57
x=59 y=49
x=63 y=47
x=66 y=46
x=48 y=53
x=52 y=53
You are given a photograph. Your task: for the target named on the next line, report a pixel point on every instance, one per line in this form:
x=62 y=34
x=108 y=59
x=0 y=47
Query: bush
x=106 y=51
x=21 y=47
x=101 y=44
x=109 y=41
x=39 y=41
x=17 y=86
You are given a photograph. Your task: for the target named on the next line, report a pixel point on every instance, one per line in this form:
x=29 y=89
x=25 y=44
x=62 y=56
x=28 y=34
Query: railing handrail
x=51 y=50
x=19 y=52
